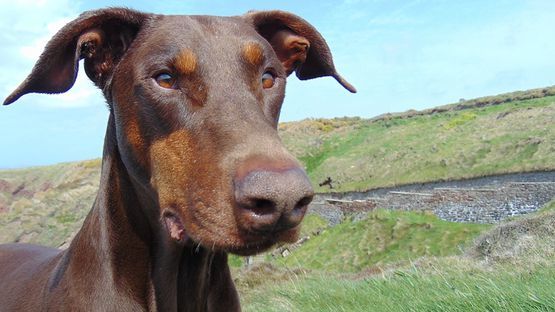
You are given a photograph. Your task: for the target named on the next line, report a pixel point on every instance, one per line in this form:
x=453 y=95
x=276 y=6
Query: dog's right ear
x=298 y=45
x=101 y=37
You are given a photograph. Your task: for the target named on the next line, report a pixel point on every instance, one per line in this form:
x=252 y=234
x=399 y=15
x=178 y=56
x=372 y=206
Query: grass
x=501 y=290
x=381 y=238
x=486 y=136
x=360 y=154
x=510 y=267
x=530 y=237
x=548 y=207
x=49 y=203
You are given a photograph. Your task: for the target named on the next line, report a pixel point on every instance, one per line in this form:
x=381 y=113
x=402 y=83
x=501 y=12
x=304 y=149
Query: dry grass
x=526 y=241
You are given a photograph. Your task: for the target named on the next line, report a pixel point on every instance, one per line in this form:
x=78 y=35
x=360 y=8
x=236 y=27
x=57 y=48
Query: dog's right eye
x=268 y=80
x=165 y=80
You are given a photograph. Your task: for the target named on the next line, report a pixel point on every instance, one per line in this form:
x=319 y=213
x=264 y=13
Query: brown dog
x=192 y=167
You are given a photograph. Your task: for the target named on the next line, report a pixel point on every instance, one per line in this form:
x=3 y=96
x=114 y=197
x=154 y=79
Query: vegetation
x=46 y=205
x=499 y=290
x=514 y=271
x=485 y=136
x=361 y=154
x=382 y=237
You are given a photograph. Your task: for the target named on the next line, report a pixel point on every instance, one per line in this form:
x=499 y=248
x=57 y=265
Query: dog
x=192 y=168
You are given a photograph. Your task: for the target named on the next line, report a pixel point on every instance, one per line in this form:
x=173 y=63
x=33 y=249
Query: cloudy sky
x=399 y=54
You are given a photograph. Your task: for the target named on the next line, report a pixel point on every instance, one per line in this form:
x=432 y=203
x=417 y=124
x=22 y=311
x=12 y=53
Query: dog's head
x=195 y=102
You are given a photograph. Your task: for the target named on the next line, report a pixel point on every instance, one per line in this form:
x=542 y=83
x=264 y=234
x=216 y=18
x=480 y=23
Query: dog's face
x=195 y=103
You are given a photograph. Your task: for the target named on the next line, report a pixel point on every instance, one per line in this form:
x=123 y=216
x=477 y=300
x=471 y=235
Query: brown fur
x=189 y=173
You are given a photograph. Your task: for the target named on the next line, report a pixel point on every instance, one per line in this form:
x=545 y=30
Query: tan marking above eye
x=186 y=62
x=253 y=53
x=268 y=80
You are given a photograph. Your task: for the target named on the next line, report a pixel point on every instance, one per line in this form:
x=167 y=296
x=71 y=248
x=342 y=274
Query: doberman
x=192 y=169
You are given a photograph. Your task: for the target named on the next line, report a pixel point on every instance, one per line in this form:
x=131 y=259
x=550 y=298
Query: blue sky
x=399 y=54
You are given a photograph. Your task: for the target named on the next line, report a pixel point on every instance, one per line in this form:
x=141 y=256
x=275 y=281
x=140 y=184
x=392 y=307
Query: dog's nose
x=272 y=201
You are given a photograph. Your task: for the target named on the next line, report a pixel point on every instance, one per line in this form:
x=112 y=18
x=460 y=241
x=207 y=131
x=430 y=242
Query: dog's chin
x=251 y=249
x=250 y=246
x=244 y=244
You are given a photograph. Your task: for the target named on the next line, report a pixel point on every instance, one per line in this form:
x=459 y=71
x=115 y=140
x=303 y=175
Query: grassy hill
x=46 y=205
x=508 y=268
x=359 y=154
x=382 y=237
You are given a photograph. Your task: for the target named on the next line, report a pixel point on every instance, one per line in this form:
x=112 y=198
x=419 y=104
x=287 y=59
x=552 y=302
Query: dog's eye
x=165 y=80
x=268 y=80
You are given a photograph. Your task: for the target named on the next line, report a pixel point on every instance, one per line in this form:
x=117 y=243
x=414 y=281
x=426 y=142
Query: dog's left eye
x=165 y=80
x=268 y=80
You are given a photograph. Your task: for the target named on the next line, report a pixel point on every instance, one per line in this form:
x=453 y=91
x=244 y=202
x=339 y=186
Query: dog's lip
x=251 y=248
x=245 y=242
x=254 y=242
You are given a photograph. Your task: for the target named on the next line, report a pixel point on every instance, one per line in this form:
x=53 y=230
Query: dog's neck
x=119 y=249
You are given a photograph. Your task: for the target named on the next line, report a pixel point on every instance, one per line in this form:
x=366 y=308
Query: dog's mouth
x=244 y=243
x=250 y=250
x=254 y=243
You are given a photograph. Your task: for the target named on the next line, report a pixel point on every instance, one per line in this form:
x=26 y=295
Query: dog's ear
x=101 y=37
x=298 y=45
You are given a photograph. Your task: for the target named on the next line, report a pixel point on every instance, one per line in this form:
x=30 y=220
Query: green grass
x=381 y=238
x=390 y=260
x=360 y=154
x=510 y=267
x=509 y=134
x=311 y=224
x=548 y=207
x=500 y=290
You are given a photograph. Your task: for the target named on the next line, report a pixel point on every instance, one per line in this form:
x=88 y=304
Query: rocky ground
x=481 y=200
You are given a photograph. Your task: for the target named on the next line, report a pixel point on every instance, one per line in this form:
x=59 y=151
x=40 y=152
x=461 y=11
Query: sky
x=400 y=55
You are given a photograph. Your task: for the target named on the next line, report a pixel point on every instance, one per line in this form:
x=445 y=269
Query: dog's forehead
x=198 y=31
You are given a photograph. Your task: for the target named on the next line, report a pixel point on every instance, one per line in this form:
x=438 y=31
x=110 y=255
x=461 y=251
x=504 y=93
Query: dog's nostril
x=262 y=206
x=271 y=201
x=303 y=202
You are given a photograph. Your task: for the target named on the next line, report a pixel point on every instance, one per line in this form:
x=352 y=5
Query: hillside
x=486 y=136
x=508 y=268
x=360 y=154
x=46 y=205
x=381 y=237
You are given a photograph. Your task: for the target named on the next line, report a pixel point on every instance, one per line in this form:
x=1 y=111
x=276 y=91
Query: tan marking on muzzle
x=170 y=159
x=186 y=62
x=253 y=53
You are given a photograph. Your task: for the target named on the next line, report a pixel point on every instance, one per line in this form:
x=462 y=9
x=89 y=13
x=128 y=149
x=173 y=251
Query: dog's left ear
x=298 y=45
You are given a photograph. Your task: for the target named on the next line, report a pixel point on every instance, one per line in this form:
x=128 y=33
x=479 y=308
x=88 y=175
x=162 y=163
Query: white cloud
x=26 y=27
x=32 y=51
